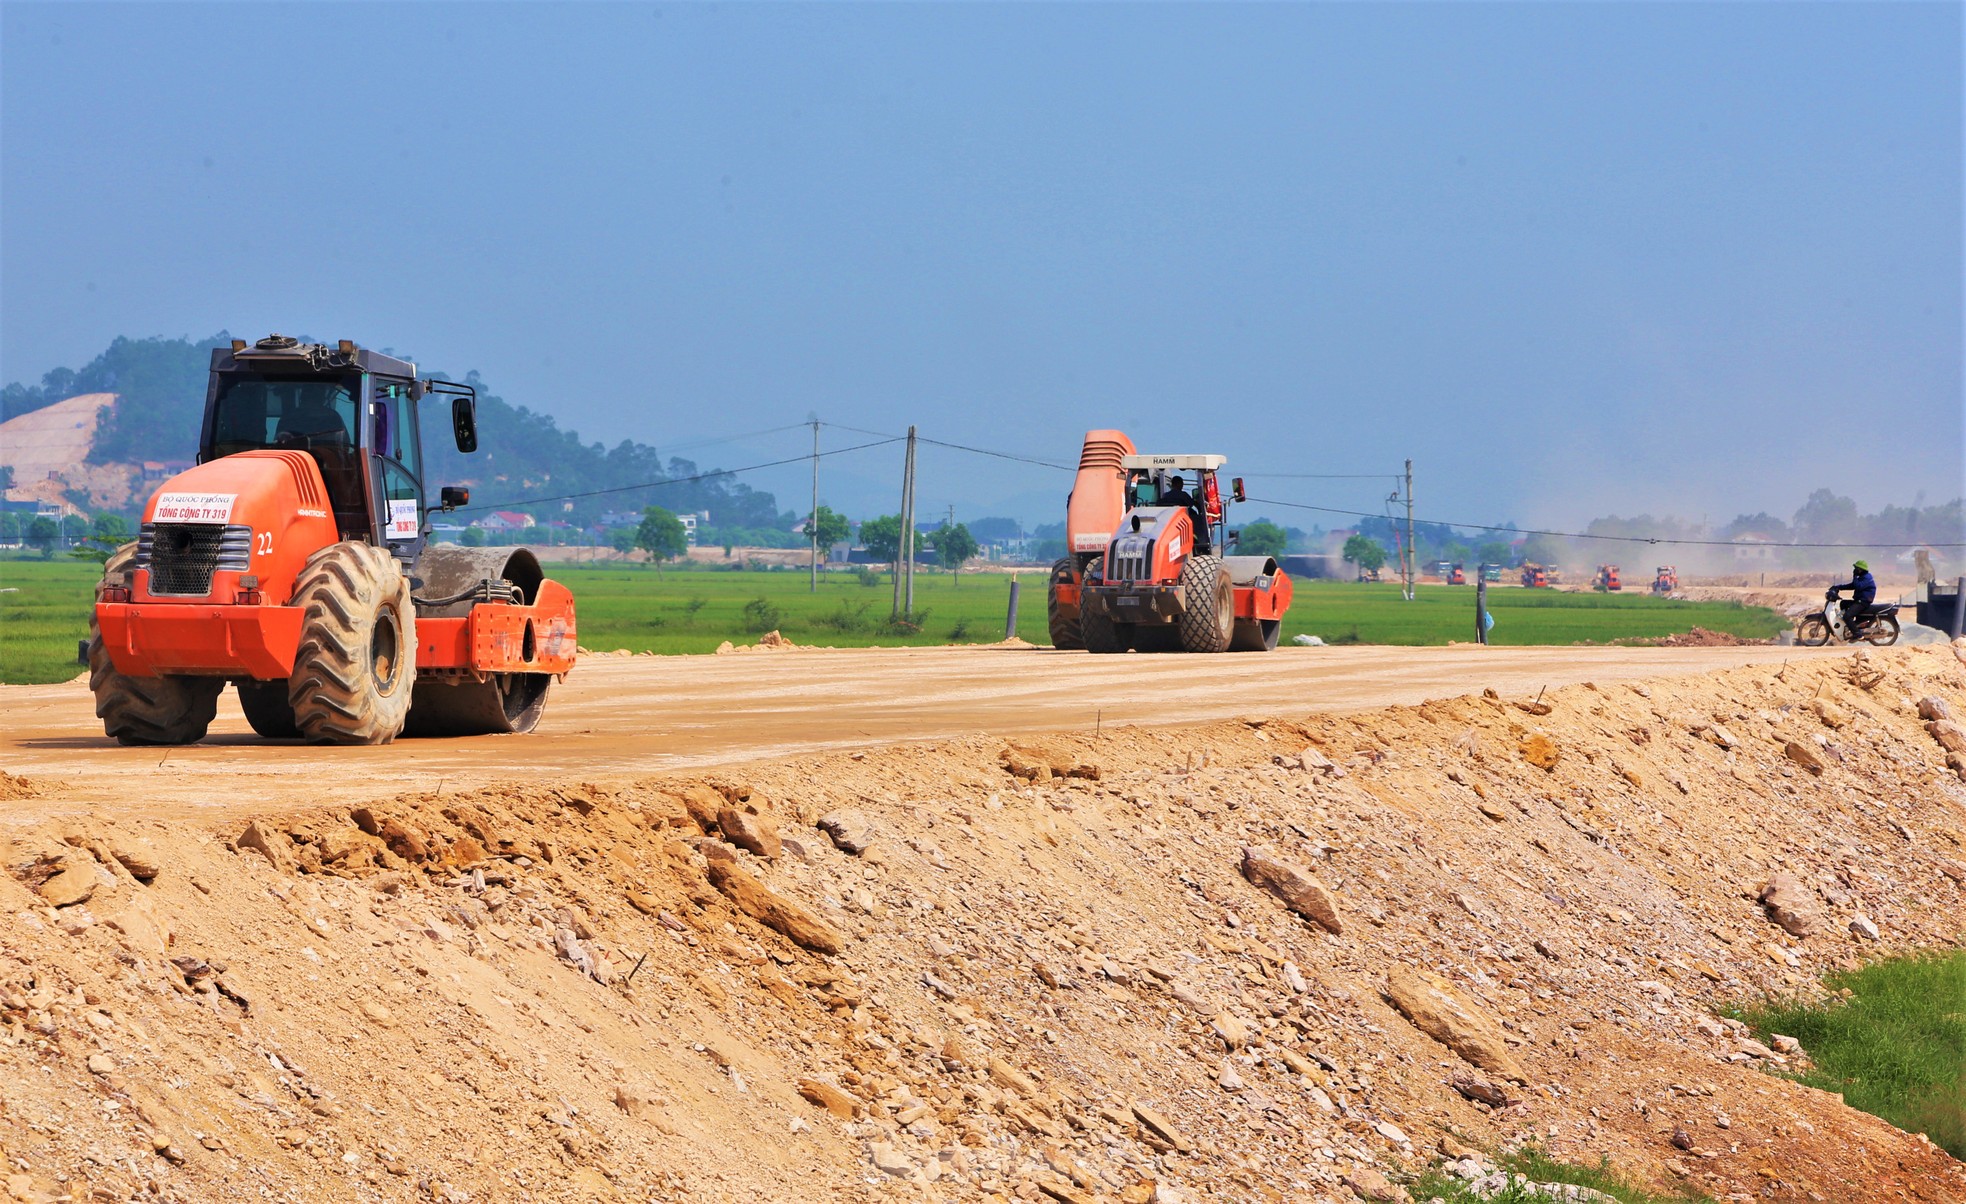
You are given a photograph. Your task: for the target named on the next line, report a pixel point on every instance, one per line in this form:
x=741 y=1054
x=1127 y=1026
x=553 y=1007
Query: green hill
x=524 y=454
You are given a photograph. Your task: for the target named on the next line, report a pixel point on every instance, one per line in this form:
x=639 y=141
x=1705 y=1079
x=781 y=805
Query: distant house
x=505 y=520
x=1752 y=547
x=157 y=470
x=621 y=518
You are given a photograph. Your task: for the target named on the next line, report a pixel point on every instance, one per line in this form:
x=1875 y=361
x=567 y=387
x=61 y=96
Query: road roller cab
x=293 y=561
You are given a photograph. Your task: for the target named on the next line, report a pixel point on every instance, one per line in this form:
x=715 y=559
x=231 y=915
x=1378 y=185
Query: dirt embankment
x=1249 y=961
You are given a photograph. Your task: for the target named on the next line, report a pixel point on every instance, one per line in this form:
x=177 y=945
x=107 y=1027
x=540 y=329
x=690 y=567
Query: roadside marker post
x=1010 y=620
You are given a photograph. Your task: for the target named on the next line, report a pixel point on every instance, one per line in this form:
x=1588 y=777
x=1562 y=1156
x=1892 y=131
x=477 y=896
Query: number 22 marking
x=264 y=542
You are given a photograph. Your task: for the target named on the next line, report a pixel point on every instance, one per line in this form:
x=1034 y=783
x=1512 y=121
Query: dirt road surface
x=630 y=716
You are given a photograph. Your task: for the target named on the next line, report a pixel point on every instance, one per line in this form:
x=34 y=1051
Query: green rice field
x=44 y=611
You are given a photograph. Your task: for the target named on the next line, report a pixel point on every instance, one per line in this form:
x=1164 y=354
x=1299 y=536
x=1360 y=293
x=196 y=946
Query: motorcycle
x=1817 y=628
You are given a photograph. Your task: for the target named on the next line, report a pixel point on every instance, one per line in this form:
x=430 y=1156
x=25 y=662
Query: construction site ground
x=629 y=715
x=990 y=923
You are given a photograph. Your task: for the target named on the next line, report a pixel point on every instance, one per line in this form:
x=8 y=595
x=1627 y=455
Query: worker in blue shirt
x=1863 y=595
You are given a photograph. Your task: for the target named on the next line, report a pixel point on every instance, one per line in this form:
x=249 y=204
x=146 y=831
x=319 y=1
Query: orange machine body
x=1098 y=498
x=261 y=515
x=1093 y=510
x=1534 y=576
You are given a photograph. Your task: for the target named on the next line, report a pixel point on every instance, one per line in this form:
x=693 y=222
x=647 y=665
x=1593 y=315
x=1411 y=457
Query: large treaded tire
x=356 y=664
x=1209 y=617
x=1101 y=634
x=146 y=710
x=1064 y=628
x=268 y=709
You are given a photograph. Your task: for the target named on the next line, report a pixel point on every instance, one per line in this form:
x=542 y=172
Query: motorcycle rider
x=1863 y=594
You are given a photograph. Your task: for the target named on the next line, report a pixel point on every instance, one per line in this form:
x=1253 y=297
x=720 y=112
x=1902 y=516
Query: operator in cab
x=1863 y=594
x=1178 y=495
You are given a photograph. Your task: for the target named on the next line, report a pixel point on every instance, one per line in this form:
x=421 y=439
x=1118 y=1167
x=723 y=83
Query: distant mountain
x=525 y=461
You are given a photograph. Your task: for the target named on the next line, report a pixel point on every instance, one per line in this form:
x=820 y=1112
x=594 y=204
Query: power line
x=1325 y=476
x=984 y=451
x=1646 y=539
x=701 y=476
x=963 y=447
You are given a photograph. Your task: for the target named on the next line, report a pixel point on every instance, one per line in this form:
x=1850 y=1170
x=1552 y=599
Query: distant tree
x=1365 y=553
x=1263 y=538
x=10 y=527
x=6 y=477
x=661 y=535
x=1493 y=552
x=42 y=534
x=988 y=529
x=107 y=532
x=882 y=537
x=622 y=539
x=1826 y=517
x=833 y=527
x=953 y=545
x=1760 y=523
x=474 y=537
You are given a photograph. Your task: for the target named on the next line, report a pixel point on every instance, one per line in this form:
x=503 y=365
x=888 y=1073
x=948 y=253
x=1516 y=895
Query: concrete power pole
x=814 y=524
x=904 y=548
x=1412 y=553
x=908 y=531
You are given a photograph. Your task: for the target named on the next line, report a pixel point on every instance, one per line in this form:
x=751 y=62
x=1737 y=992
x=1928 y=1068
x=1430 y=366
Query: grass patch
x=1344 y=612
x=1537 y=1167
x=694 y=610
x=1894 y=1043
x=44 y=610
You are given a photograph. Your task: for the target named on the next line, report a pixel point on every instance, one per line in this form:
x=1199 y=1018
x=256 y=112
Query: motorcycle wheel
x=1883 y=632
x=1813 y=631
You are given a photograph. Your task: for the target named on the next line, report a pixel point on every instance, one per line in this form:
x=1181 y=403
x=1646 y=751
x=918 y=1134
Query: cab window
x=254 y=412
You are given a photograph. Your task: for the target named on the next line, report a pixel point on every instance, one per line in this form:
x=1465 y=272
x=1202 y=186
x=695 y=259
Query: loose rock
x=850 y=831
x=1293 y=884
x=1441 y=1012
x=1791 y=905
x=769 y=908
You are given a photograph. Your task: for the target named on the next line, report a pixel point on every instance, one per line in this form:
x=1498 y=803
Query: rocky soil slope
x=1289 y=958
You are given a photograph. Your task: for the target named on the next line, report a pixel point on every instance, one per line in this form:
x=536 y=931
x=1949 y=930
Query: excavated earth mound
x=1288 y=958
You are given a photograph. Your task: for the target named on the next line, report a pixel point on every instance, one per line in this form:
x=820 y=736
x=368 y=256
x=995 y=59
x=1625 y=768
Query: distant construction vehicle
x=1491 y=572
x=293 y=562
x=1665 y=580
x=1152 y=577
x=1535 y=576
x=1457 y=574
x=1606 y=580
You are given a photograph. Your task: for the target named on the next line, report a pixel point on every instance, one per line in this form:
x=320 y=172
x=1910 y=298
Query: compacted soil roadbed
x=636 y=715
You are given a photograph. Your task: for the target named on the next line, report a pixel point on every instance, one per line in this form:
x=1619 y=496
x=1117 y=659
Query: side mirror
x=453 y=496
x=464 y=424
x=1235 y=537
x=1235 y=489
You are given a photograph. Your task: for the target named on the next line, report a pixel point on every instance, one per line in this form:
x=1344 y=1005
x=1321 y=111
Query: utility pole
x=908 y=531
x=1412 y=554
x=813 y=525
x=902 y=545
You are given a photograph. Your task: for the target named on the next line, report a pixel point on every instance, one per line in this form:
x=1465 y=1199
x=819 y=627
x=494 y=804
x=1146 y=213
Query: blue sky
x=1573 y=259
